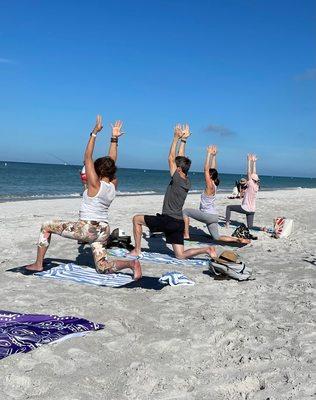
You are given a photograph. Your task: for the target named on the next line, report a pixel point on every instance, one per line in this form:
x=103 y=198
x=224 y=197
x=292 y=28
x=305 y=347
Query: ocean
x=30 y=181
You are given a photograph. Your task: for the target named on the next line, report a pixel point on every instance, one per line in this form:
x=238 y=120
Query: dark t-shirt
x=175 y=196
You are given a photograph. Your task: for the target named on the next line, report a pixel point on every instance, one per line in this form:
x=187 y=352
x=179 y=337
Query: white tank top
x=207 y=203
x=97 y=208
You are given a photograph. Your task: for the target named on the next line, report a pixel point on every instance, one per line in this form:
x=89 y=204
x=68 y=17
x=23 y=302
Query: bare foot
x=137 y=270
x=244 y=241
x=211 y=252
x=134 y=253
x=34 y=267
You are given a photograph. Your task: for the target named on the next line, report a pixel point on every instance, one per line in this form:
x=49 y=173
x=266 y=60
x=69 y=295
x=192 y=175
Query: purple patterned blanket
x=20 y=333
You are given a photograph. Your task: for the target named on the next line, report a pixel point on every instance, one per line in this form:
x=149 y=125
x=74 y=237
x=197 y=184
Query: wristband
x=114 y=140
x=93 y=134
x=183 y=141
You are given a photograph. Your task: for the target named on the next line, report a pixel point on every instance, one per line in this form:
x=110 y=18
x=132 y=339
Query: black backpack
x=119 y=239
x=242 y=231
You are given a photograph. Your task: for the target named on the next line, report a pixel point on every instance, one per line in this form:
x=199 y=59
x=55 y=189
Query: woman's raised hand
x=185 y=131
x=252 y=157
x=98 y=124
x=116 y=129
x=212 y=150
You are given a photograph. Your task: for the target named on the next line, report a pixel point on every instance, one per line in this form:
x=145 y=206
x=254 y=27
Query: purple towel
x=20 y=333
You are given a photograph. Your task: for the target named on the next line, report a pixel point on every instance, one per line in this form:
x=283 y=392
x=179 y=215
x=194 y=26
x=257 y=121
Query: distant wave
x=13 y=197
x=196 y=191
x=139 y=193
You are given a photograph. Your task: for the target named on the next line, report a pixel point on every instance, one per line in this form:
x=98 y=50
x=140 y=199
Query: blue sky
x=242 y=73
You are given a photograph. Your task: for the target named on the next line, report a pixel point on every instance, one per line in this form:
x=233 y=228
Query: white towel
x=174 y=278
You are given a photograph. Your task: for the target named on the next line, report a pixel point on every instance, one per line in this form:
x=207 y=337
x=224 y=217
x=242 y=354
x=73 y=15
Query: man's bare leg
x=182 y=254
x=186 y=228
x=138 y=222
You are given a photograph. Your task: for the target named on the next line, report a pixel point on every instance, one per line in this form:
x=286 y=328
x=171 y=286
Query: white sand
x=215 y=340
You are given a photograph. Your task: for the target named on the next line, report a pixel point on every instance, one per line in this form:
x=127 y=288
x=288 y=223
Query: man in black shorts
x=171 y=220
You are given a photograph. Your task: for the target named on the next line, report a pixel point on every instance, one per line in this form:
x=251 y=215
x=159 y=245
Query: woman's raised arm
x=116 y=133
x=210 y=162
x=92 y=177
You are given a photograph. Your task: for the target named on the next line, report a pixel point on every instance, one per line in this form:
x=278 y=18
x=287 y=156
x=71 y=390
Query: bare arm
x=116 y=133
x=249 y=166
x=173 y=150
x=254 y=162
x=210 y=155
x=213 y=163
x=184 y=137
x=92 y=177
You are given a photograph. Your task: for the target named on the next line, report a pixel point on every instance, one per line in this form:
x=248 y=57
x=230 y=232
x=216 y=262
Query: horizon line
x=152 y=169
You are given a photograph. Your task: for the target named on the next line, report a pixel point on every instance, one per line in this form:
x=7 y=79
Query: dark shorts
x=173 y=228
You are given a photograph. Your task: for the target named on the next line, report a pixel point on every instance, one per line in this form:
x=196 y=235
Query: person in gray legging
x=248 y=205
x=207 y=212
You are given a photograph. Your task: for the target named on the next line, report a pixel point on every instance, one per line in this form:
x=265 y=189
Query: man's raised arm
x=185 y=133
x=173 y=149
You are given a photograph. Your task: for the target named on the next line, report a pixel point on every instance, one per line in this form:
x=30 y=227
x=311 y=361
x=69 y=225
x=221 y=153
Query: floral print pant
x=93 y=232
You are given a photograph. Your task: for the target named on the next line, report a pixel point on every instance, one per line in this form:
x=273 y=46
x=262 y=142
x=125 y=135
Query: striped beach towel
x=159 y=258
x=85 y=275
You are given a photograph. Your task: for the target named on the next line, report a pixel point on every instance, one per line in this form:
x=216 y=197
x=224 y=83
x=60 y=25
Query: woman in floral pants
x=92 y=226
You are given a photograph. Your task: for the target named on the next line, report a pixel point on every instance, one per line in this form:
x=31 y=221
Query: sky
x=242 y=73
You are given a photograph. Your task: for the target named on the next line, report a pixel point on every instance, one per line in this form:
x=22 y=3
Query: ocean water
x=29 y=181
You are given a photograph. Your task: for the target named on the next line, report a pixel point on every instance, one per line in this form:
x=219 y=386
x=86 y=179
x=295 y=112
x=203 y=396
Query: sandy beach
x=219 y=339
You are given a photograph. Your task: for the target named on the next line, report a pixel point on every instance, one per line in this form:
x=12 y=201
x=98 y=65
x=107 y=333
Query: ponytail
x=214 y=176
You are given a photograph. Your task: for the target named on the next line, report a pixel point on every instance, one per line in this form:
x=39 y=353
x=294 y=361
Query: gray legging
x=240 y=210
x=211 y=220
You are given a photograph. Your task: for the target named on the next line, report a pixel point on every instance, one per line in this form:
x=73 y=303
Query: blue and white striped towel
x=175 y=278
x=159 y=258
x=89 y=276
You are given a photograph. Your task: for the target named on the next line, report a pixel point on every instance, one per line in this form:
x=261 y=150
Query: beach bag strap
x=212 y=269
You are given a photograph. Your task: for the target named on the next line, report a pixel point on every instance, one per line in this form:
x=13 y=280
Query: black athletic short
x=173 y=228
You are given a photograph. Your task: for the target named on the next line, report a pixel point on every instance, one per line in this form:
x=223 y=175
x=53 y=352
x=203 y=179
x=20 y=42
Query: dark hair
x=214 y=176
x=105 y=168
x=184 y=163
